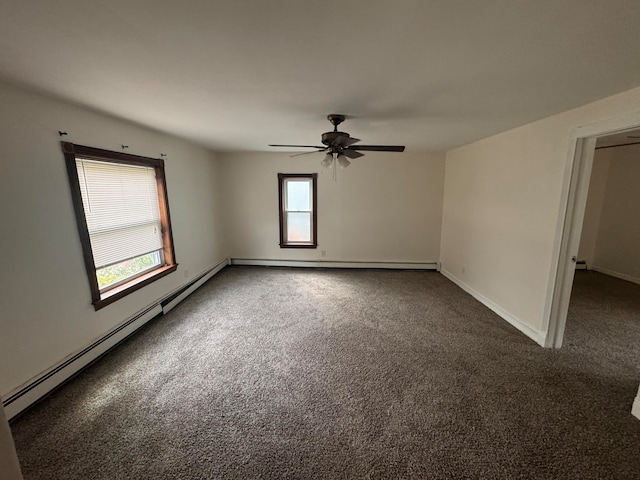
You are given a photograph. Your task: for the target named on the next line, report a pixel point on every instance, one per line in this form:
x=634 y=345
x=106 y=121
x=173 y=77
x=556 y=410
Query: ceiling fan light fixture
x=343 y=161
x=327 y=160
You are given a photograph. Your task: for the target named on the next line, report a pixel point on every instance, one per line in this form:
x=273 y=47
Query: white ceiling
x=240 y=74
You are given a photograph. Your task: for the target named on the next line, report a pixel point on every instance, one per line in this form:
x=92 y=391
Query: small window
x=298 y=216
x=122 y=213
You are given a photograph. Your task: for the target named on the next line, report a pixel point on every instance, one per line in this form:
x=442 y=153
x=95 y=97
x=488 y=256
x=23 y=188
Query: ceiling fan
x=340 y=146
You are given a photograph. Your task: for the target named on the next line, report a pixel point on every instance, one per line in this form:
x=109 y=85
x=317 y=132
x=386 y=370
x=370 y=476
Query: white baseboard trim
x=30 y=392
x=611 y=273
x=336 y=264
x=635 y=410
x=537 y=337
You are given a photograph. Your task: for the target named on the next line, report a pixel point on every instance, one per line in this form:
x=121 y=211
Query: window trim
x=98 y=299
x=314 y=212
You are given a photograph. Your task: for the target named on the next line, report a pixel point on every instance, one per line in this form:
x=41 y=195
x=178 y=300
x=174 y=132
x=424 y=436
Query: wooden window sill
x=125 y=289
x=298 y=245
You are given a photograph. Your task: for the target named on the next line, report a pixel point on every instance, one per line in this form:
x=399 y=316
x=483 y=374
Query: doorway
x=583 y=142
x=601 y=234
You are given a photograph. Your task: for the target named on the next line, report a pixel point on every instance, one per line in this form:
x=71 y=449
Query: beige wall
x=384 y=207
x=46 y=303
x=593 y=209
x=617 y=249
x=504 y=208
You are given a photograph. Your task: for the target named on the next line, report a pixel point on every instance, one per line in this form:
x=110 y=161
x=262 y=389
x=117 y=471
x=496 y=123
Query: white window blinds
x=121 y=208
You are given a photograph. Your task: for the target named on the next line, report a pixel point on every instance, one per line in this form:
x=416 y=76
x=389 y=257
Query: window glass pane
x=298 y=195
x=298 y=227
x=114 y=274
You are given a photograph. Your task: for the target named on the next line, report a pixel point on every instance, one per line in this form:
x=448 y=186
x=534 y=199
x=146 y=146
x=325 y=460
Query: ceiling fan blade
x=379 y=148
x=307 y=153
x=299 y=146
x=349 y=152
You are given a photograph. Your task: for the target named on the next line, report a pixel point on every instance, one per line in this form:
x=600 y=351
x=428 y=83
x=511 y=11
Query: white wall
x=593 y=209
x=504 y=208
x=46 y=311
x=617 y=247
x=384 y=207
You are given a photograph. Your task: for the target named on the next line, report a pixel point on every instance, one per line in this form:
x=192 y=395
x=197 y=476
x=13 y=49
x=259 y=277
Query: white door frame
x=582 y=141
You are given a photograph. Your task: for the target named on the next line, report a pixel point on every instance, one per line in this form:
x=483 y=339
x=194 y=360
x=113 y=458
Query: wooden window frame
x=99 y=300
x=314 y=212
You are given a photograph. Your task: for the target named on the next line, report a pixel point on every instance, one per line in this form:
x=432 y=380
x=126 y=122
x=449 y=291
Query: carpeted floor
x=303 y=373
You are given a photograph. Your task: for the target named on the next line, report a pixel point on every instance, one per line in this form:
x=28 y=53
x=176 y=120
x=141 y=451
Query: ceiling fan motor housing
x=329 y=138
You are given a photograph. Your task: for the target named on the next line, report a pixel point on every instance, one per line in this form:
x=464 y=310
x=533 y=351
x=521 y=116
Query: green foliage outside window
x=121 y=271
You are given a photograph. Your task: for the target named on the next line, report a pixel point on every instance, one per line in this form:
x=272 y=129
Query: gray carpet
x=292 y=373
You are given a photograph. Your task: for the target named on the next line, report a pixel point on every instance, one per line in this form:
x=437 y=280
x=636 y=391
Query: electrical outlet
x=464 y=269
x=323 y=253
x=186 y=273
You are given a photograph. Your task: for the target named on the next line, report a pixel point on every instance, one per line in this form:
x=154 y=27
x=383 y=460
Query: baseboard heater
x=175 y=298
x=44 y=383
x=336 y=264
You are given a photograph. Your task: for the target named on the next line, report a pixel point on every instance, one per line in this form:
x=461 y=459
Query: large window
x=298 y=218
x=123 y=220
